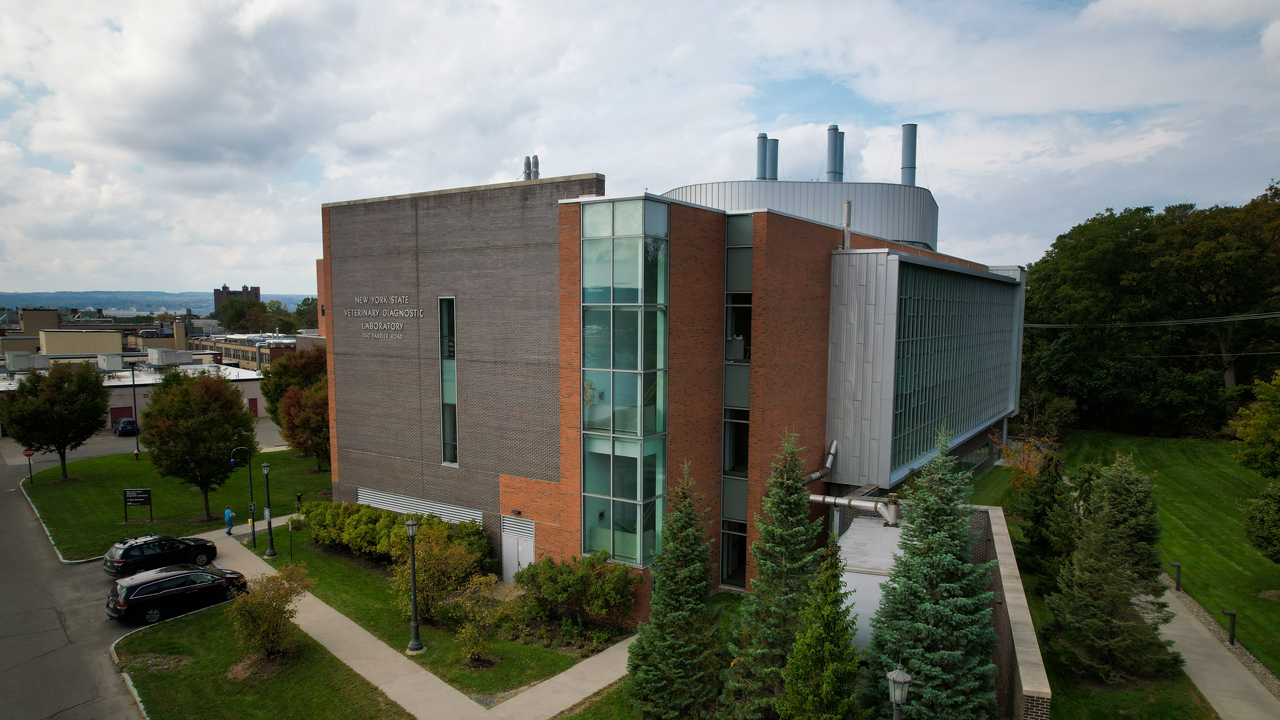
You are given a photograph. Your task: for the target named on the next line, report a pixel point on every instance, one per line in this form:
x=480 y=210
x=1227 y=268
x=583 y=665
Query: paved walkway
x=1228 y=685
x=404 y=681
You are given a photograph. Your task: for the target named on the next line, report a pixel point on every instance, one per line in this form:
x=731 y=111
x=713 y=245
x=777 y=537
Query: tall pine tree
x=935 y=611
x=1047 y=507
x=1107 y=610
x=785 y=563
x=673 y=663
x=820 y=677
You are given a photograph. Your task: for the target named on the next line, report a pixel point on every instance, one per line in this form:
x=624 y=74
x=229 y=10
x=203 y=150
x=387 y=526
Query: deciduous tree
x=821 y=675
x=192 y=425
x=307 y=313
x=56 y=411
x=673 y=663
x=304 y=420
x=1257 y=427
x=301 y=369
x=785 y=561
x=935 y=610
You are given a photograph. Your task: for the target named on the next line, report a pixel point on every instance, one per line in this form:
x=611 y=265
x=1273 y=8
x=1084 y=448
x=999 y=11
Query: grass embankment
x=310 y=684
x=86 y=516
x=1202 y=494
x=362 y=591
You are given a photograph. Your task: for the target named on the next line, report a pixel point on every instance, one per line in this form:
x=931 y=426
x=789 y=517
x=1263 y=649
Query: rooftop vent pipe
x=835 y=154
x=762 y=157
x=909 y=154
x=528 y=171
x=772 y=173
x=535 y=167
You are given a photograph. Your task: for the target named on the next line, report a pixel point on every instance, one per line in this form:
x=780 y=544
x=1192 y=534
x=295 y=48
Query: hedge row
x=380 y=534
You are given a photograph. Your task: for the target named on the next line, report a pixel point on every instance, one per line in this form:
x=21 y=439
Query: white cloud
x=170 y=134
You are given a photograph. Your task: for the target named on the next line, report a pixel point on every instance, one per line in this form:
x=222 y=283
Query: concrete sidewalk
x=1228 y=685
x=404 y=681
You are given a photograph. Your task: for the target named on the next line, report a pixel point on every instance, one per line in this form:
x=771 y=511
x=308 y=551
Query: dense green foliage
x=1262 y=522
x=821 y=675
x=674 y=663
x=1257 y=428
x=1047 y=507
x=307 y=313
x=263 y=617
x=313 y=684
x=192 y=424
x=56 y=411
x=935 y=612
x=1139 y=266
x=380 y=534
x=580 y=588
x=442 y=568
x=1107 y=609
x=304 y=420
x=301 y=369
x=785 y=564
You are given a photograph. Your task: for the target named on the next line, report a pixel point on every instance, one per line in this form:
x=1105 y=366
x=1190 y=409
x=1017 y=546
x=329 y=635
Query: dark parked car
x=154 y=595
x=153 y=551
x=126 y=427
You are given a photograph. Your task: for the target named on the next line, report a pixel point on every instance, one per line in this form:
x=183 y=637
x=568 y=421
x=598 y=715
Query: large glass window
x=448 y=382
x=738 y=270
x=739 y=232
x=737 y=333
x=624 y=377
x=737 y=386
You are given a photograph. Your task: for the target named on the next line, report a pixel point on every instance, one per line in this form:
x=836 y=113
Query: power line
x=1208 y=354
x=1163 y=323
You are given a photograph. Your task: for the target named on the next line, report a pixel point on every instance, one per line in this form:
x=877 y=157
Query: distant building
x=226 y=293
x=251 y=352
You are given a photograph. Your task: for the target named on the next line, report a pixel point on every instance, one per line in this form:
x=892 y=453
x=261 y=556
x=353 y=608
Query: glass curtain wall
x=448 y=384
x=737 y=395
x=624 y=377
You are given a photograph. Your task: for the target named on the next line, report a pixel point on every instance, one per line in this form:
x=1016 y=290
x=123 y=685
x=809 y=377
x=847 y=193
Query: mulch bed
x=254 y=666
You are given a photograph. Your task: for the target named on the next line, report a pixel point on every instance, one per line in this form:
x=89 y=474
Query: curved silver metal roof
x=902 y=213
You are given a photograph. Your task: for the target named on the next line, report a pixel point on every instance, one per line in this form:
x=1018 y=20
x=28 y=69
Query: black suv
x=154 y=595
x=126 y=427
x=152 y=551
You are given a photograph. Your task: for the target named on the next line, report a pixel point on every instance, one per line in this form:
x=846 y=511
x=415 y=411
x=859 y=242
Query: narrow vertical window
x=448 y=383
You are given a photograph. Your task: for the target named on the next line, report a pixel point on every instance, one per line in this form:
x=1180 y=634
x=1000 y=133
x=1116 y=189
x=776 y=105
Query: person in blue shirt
x=228 y=515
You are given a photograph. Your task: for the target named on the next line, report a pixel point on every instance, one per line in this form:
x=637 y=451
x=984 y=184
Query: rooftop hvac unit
x=184 y=357
x=15 y=360
x=110 y=361
x=39 y=362
x=162 y=356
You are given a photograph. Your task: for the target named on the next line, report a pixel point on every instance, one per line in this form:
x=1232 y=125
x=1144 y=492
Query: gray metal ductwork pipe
x=826 y=467
x=535 y=168
x=840 y=156
x=909 y=154
x=888 y=509
x=528 y=170
x=833 y=153
x=762 y=157
x=772 y=171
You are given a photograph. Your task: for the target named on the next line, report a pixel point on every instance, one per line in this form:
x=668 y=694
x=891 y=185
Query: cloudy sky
x=179 y=145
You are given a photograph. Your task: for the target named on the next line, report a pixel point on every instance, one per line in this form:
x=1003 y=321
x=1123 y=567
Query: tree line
x=246 y=315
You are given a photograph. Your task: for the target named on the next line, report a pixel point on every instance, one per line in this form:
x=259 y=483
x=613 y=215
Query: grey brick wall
x=495 y=249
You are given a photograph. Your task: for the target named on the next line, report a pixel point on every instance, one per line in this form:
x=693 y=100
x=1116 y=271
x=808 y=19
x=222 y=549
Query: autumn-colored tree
x=191 y=426
x=442 y=567
x=56 y=411
x=304 y=416
x=301 y=369
x=1024 y=458
x=263 y=617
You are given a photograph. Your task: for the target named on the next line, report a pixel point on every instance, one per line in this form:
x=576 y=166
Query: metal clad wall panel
x=892 y=212
x=406 y=504
x=519 y=527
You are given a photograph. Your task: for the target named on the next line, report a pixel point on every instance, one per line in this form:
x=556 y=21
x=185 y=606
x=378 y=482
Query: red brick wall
x=570 y=496
x=324 y=297
x=695 y=388
x=790 y=317
x=551 y=507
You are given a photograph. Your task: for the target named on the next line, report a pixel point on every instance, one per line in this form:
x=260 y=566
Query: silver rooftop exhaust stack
x=535 y=168
x=528 y=171
x=909 y=154
x=762 y=157
x=835 y=154
x=772 y=170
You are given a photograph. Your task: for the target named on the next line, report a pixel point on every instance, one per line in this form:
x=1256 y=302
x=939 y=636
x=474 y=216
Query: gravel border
x=1260 y=671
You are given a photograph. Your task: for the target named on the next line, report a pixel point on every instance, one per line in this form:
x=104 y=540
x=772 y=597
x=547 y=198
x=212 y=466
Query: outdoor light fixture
x=248 y=461
x=899 y=682
x=415 y=644
x=266 y=512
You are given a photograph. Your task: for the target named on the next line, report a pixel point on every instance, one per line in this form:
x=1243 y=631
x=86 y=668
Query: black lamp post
x=266 y=512
x=415 y=644
x=137 y=422
x=249 y=462
x=899 y=681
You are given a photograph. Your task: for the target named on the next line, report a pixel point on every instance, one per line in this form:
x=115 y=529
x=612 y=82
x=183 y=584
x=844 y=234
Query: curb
x=61 y=559
x=115 y=659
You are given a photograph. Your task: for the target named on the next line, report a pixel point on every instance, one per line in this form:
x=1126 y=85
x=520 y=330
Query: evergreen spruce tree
x=674 y=664
x=935 y=611
x=820 y=677
x=1107 y=610
x=785 y=563
x=1048 y=509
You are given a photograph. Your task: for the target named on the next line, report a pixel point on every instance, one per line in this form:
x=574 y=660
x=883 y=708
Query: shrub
x=580 y=588
x=479 y=612
x=442 y=567
x=262 y=617
x=1262 y=523
x=380 y=534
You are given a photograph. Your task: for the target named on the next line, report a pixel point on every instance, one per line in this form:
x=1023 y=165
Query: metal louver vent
x=403 y=504
x=517 y=526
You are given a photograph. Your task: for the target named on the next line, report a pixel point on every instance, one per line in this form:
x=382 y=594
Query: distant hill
x=200 y=303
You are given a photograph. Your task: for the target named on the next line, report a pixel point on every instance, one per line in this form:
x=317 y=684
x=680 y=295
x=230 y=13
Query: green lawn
x=86 y=517
x=311 y=684
x=1201 y=493
x=612 y=705
x=365 y=595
